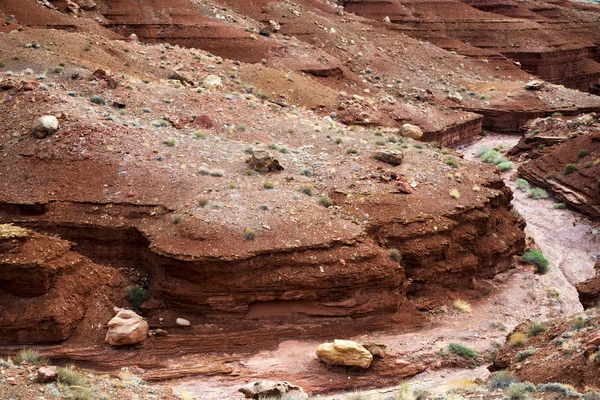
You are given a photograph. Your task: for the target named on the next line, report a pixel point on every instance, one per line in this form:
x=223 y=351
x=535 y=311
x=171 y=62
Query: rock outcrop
x=344 y=352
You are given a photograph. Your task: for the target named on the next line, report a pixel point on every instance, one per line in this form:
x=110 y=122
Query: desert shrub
x=535 y=257
x=559 y=206
x=176 y=218
x=68 y=376
x=505 y=166
x=161 y=123
x=380 y=142
x=582 y=153
x=454 y=193
x=98 y=100
x=202 y=201
x=535 y=329
x=405 y=392
x=242 y=127
x=136 y=295
x=537 y=193
x=268 y=185
x=249 y=234
x=305 y=172
x=395 y=255
x=326 y=201
x=463 y=351
x=199 y=135
x=501 y=380
x=570 y=168
x=452 y=162
x=30 y=356
x=522 y=355
x=580 y=323
x=517 y=391
x=307 y=189
x=482 y=150
x=592 y=395
x=169 y=142
x=216 y=172
x=557 y=115
x=462 y=306
x=555 y=387
x=517 y=339
x=522 y=184
x=352 y=151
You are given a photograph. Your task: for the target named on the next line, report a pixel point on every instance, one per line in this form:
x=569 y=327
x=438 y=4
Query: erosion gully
x=566 y=238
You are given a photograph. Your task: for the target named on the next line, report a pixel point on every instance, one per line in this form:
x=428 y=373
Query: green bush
x=535 y=257
x=505 y=166
x=136 y=295
x=522 y=355
x=268 y=185
x=307 y=189
x=452 y=162
x=537 y=193
x=559 y=206
x=169 y=142
x=98 y=100
x=395 y=255
x=535 y=329
x=326 y=201
x=570 y=168
x=582 y=153
x=463 y=351
x=522 y=184
x=501 y=380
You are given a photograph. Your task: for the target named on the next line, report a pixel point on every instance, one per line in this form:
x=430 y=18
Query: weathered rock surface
x=411 y=131
x=272 y=389
x=264 y=162
x=46 y=125
x=589 y=290
x=47 y=374
x=182 y=322
x=392 y=157
x=126 y=328
x=344 y=352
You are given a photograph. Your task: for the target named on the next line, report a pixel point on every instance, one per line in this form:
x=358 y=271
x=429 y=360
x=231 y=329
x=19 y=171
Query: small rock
x=387 y=20
x=46 y=125
x=47 y=374
x=263 y=162
x=455 y=97
x=133 y=38
x=392 y=157
x=534 y=85
x=411 y=131
x=273 y=389
x=182 y=322
x=160 y=332
x=344 y=352
x=212 y=80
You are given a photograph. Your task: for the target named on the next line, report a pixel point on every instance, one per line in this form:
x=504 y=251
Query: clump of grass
x=454 y=193
x=68 y=376
x=249 y=234
x=517 y=339
x=136 y=295
x=176 y=218
x=522 y=184
x=461 y=350
x=98 y=100
x=535 y=257
x=522 y=355
x=462 y=306
x=30 y=356
x=452 y=162
x=570 y=168
x=307 y=189
x=582 y=153
x=501 y=380
x=537 y=193
x=169 y=142
x=268 y=185
x=326 y=201
x=395 y=255
x=535 y=329
x=199 y=135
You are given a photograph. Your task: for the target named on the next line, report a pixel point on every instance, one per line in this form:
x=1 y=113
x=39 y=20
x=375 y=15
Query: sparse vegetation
x=395 y=255
x=555 y=387
x=249 y=234
x=522 y=185
x=454 y=193
x=98 y=100
x=268 y=185
x=522 y=355
x=582 y=153
x=30 y=356
x=570 y=168
x=462 y=305
x=203 y=201
x=352 y=151
x=535 y=257
x=136 y=295
x=559 y=206
x=535 y=329
x=326 y=201
x=505 y=166
x=69 y=377
x=199 y=135
x=169 y=142
x=176 y=218
x=517 y=339
x=461 y=350
x=501 y=380
x=537 y=193
x=557 y=114
x=452 y=162
x=307 y=189
x=517 y=391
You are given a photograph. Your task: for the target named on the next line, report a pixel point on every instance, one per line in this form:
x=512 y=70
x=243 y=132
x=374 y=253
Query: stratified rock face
x=126 y=328
x=589 y=290
x=44 y=287
x=344 y=352
x=571 y=171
